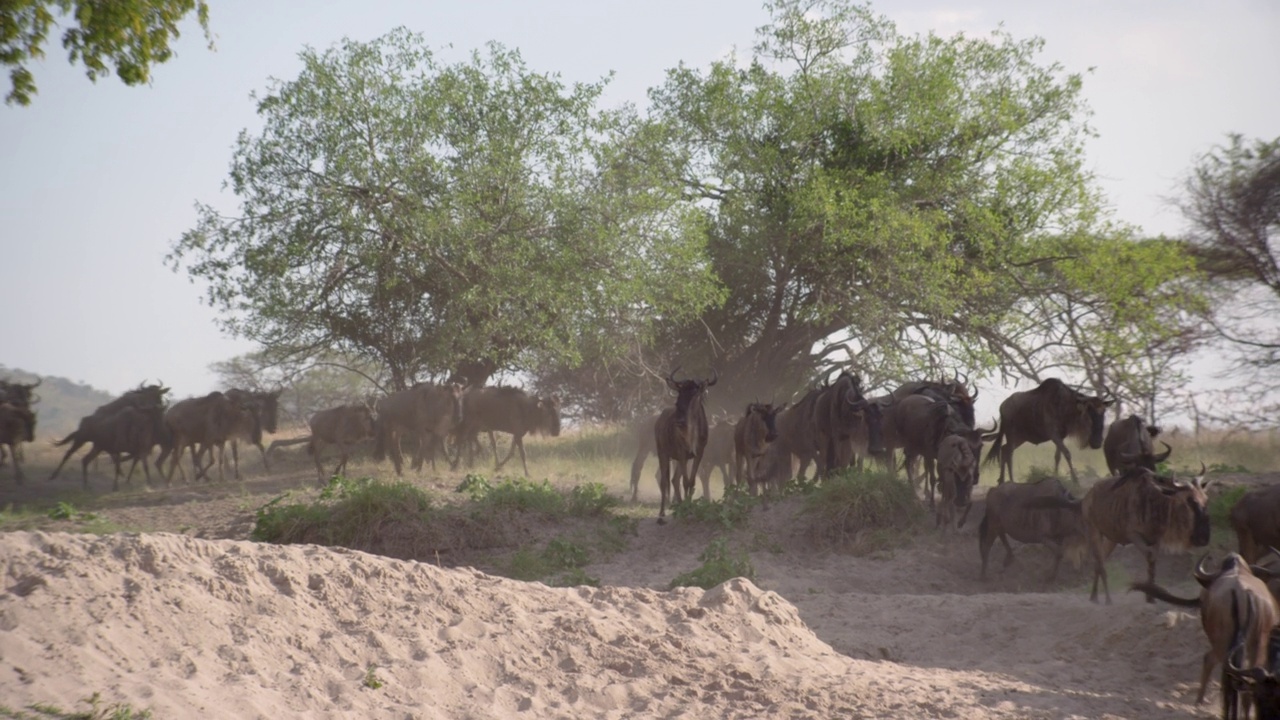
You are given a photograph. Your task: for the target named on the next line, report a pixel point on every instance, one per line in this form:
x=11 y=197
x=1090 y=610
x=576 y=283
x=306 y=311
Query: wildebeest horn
x=994 y=424
x=671 y=377
x=38 y=381
x=715 y=376
x=1203 y=576
x=1199 y=480
x=1164 y=456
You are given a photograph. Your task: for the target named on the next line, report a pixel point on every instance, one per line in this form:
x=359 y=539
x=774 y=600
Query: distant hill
x=62 y=402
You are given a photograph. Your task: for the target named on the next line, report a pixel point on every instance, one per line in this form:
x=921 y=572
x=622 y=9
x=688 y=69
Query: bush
x=1220 y=504
x=728 y=513
x=719 y=564
x=863 y=511
x=358 y=514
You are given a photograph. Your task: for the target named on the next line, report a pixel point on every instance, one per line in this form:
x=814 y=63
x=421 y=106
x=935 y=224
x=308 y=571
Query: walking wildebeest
x=129 y=433
x=1051 y=412
x=837 y=413
x=200 y=424
x=1255 y=518
x=954 y=393
x=1238 y=614
x=425 y=412
x=752 y=435
x=143 y=396
x=644 y=448
x=1128 y=444
x=258 y=413
x=920 y=424
x=955 y=464
x=1011 y=513
x=680 y=436
x=1260 y=683
x=17 y=425
x=1142 y=509
x=506 y=410
x=342 y=426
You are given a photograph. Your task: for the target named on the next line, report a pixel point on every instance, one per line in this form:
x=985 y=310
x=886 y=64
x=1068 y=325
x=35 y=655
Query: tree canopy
x=846 y=196
x=131 y=35
x=441 y=218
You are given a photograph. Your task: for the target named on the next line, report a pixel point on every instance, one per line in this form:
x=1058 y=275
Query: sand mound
x=220 y=628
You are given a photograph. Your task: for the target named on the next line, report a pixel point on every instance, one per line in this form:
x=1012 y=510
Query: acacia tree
x=132 y=35
x=440 y=218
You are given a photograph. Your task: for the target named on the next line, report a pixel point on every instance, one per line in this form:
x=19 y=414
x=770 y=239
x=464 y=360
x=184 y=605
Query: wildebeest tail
x=1152 y=590
x=993 y=455
x=70 y=438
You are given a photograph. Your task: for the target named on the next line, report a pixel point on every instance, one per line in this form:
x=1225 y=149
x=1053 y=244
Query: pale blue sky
x=96 y=180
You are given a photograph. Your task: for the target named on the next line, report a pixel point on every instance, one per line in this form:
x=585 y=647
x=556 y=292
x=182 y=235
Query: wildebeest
x=1128 y=444
x=1238 y=614
x=955 y=465
x=752 y=434
x=425 y=412
x=954 y=393
x=1255 y=518
x=1011 y=513
x=680 y=437
x=1260 y=683
x=257 y=413
x=143 y=396
x=342 y=426
x=719 y=454
x=129 y=433
x=644 y=448
x=17 y=425
x=827 y=426
x=507 y=410
x=19 y=394
x=920 y=424
x=201 y=425
x=1051 y=412
x=1145 y=510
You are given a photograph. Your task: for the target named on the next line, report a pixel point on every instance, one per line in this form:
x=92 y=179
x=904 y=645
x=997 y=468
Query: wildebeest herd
x=832 y=427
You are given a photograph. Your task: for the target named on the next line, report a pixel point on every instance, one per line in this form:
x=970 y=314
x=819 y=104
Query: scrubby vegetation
x=862 y=511
x=719 y=563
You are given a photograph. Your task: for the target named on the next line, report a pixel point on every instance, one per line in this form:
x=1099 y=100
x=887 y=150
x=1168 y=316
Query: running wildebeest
x=680 y=436
x=202 y=425
x=258 y=412
x=1238 y=614
x=129 y=433
x=1051 y=412
x=1128 y=444
x=143 y=396
x=342 y=426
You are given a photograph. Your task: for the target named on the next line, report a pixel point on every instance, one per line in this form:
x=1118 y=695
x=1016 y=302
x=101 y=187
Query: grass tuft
x=719 y=564
x=862 y=511
x=728 y=512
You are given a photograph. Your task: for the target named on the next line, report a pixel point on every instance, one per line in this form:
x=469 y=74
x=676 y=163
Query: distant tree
x=440 y=219
x=132 y=35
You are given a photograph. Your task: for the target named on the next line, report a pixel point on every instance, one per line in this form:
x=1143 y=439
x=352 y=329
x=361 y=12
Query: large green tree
x=442 y=218
x=131 y=35
x=888 y=202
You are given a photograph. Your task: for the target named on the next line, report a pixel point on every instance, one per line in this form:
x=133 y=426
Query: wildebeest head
x=768 y=414
x=147 y=395
x=1090 y=418
x=686 y=390
x=549 y=415
x=269 y=409
x=457 y=391
x=873 y=417
x=19 y=394
x=1193 y=494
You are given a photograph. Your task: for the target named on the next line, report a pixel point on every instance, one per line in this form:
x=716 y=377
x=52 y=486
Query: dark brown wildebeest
x=143 y=396
x=956 y=462
x=827 y=426
x=1128 y=444
x=1051 y=412
x=920 y=424
x=506 y=410
x=129 y=433
x=17 y=425
x=19 y=394
x=342 y=426
x=680 y=436
x=1142 y=509
x=752 y=435
x=425 y=412
x=1238 y=614
x=1011 y=513
x=1255 y=518
x=954 y=393
x=202 y=425
x=258 y=412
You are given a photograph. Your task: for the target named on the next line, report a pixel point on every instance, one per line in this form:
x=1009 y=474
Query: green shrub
x=562 y=554
x=590 y=499
x=853 y=508
x=719 y=563
x=729 y=512
x=575 y=578
x=349 y=513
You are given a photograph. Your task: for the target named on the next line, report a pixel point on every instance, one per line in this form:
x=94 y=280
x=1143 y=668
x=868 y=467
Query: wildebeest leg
x=316 y=445
x=1101 y=548
x=1063 y=452
x=1006 y=461
x=986 y=538
x=1058 y=551
x=636 y=466
x=517 y=441
x=84 y=466
x=266 y=465
x=344 y=454
x=1151 y=568
x=1206 y=669
x=930 y=476
x=664 y=487
x=76 y=445
x=235 y=456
